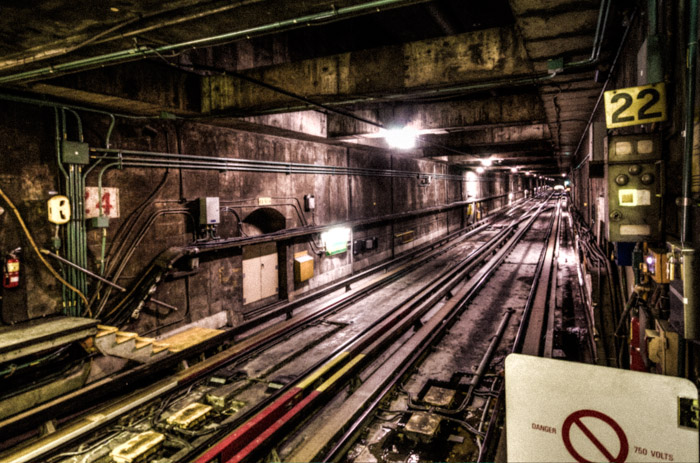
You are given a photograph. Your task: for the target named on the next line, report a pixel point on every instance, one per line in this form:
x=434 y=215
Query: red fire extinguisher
x=10 y=271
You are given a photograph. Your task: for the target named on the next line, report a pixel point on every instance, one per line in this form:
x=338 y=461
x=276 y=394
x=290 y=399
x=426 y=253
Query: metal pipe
x=652 y=18
x=46 y=54
x=602 y=91
x=199 y=158
x=215 y=163
x=603 y=12
x=84 y=270
x=143 y=51
x=486 y=359
x=691 y=63
x=51 y=104
x=103 y=280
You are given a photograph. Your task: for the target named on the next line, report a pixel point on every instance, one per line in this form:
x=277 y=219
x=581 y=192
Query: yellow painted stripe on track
x=313 y=377
x=329 y=382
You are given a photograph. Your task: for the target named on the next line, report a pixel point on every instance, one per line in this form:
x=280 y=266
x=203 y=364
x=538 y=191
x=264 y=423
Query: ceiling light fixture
x=487 y=162
x=403 y=138
x=514 y=169
x=480 y=170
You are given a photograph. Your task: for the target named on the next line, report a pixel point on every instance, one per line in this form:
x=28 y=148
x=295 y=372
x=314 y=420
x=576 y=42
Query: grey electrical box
x=209 y=211
x=309 y=203
x=635 y=172
x=73 y=152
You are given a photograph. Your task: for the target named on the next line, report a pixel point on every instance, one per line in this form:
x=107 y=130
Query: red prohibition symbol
x=575 y=419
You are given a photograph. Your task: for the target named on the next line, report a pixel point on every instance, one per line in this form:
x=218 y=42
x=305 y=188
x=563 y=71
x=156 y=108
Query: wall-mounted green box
x=73 y=152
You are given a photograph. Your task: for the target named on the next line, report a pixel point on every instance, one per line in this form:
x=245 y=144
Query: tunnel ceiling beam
x=485 y=111
x=482 y=55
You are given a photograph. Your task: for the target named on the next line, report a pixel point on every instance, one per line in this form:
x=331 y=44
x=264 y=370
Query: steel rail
x=250 y=439
x=519 y=342
x=253 y=343
x=458 y=303
x=269 y=421
x=136 y=376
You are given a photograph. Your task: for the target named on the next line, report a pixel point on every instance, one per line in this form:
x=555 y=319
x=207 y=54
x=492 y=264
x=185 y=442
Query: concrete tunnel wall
x=30 y=176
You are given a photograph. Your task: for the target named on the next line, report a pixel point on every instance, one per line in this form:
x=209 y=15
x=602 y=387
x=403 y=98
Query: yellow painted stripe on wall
x=313 y=377
x=329 y=382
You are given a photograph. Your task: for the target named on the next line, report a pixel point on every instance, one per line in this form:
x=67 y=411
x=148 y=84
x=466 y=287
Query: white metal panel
x=268 y=275
x=567 y=412
x=110 y=202
x=251 y=280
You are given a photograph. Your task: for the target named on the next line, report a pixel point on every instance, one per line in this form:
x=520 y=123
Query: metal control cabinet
x=635 y=188
x=209 y=213
x=260 y=272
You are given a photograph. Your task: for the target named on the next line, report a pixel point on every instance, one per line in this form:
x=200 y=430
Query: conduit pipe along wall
x=691 y=64
x=333 y=14
x=134 y=158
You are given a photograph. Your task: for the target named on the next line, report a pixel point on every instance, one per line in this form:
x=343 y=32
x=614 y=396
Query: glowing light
x=404 y=138
x=487 y=162
x=513 y=169
x=480 y=170
x=564 y=175
x=336 y=240
x=650 y=260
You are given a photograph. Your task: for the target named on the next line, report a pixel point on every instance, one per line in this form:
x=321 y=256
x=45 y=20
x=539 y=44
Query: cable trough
x=245 y=401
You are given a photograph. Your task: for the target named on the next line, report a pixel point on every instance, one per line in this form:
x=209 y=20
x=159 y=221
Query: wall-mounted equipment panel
x=209 y=213
x=635 y=188
x=74 y=152
x=303 y=267
x=634 y=148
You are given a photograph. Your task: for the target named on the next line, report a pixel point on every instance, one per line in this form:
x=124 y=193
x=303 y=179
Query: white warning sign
x=572 y=412
x=110 y=202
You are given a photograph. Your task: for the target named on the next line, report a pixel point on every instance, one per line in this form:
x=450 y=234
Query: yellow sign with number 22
x=635 y=105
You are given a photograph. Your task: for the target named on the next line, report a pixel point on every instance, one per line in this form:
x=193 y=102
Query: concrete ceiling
x=513 y=80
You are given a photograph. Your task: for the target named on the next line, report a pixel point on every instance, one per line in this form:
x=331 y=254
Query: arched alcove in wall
x=264 y=220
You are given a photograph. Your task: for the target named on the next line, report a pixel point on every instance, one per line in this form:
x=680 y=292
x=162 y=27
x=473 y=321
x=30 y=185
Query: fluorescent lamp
x=404 y=138
x=335 y=240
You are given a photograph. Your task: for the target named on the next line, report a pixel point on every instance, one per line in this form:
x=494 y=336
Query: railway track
x=424 y=397
x=240 y=403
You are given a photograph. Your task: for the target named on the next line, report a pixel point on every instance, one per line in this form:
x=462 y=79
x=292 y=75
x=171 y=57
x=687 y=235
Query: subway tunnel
x=360 y=230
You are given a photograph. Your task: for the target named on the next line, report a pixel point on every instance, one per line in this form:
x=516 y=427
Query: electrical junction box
x=309 y=203
x=635 y=188
x=663 y=346
x=59 y=209
x=657 y=265
x=74 y=152
x=422 y=427
x=303 y=267
x=99 y=222
x=209 y=213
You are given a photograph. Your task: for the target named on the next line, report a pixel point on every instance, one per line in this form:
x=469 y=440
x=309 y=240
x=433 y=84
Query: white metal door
x=268 y=275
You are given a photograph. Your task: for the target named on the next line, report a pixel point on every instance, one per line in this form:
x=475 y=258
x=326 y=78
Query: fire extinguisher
x=10 y=271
